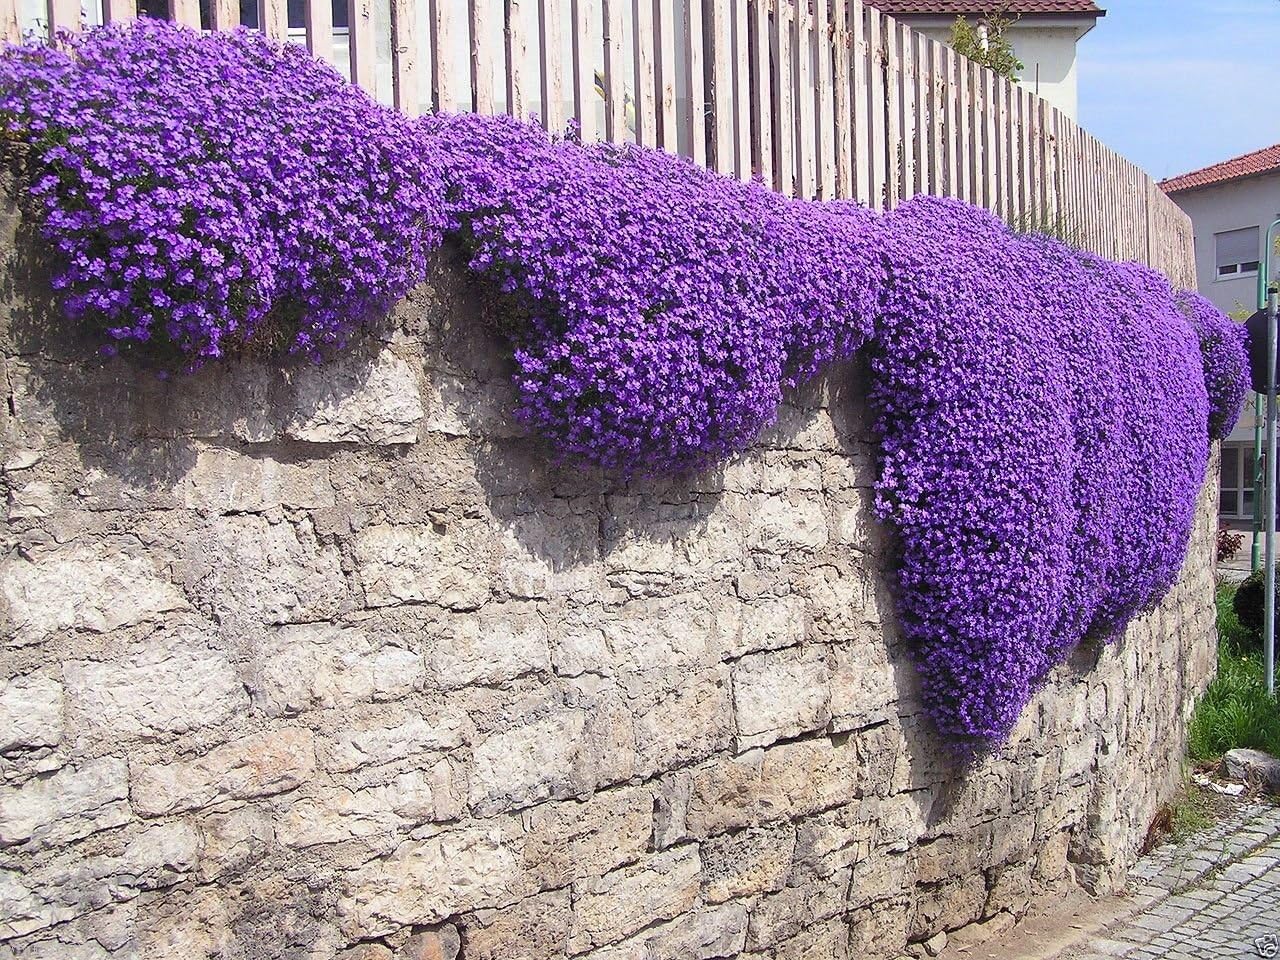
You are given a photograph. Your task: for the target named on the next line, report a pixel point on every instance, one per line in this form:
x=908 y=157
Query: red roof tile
x=1266 y=160
x=948 y=8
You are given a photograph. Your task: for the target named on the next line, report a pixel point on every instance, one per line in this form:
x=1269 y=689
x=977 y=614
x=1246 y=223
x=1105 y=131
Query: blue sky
x=1175 y=85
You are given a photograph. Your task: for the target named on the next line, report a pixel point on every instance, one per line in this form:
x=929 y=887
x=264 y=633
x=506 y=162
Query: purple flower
x=1044 y=415
x=199 y=188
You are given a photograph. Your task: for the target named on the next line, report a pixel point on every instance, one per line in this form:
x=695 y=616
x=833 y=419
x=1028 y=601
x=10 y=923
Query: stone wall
x=335 y=661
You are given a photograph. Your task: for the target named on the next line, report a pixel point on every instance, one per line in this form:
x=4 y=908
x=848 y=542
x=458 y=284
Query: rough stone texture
x=335 y=662
x=1253 y=767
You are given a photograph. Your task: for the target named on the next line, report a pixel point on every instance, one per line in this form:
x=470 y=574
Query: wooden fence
x=819 y=98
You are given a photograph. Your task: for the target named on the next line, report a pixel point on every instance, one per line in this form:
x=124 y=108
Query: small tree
x=988 y=43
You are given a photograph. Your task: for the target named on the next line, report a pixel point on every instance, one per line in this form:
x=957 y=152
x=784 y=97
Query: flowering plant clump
x=208 y=192
x=1225 y=355
x=1046 y=425
x=1045 y=415
x=665 y=308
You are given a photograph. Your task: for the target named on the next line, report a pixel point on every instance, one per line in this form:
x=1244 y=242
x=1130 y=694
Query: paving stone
x=1222 y=914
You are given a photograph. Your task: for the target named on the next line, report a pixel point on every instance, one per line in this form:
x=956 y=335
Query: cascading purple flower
x=207 y=193
x=1044 y=415
x=667 y=307
x=1045 y=425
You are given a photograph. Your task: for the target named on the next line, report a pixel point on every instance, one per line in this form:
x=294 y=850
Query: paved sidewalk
x=1215 y=896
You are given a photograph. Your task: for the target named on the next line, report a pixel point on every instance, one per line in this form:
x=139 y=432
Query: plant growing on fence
x=1044 y=414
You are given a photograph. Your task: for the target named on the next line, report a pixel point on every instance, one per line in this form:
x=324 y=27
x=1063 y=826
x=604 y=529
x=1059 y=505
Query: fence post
x=644 y=82
x=552 y=70
x=319 y=18
x=404 y=57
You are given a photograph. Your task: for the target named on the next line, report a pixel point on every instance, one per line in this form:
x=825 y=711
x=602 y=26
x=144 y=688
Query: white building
x=1044 y=35
x=1231 y=204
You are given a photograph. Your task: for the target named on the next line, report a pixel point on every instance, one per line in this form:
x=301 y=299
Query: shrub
x=1248 y=605
x=996 y=54
x=1229 y=544
x=211 y=193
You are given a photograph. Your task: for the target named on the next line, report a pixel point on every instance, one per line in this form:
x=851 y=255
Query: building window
x=1236 y=487
x=1237 y=252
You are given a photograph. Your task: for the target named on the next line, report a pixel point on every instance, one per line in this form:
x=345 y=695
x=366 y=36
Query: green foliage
x=997 y=53
x=1236 y=710
x=1058 y=226
x=1247 y=607
x=1190 y=813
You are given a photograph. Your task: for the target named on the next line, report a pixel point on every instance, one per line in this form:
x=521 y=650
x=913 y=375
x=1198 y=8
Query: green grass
x=1235 y=711
x=1190 y=814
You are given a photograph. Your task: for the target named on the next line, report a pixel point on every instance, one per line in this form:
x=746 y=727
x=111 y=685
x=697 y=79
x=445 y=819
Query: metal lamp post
x=1267 y=299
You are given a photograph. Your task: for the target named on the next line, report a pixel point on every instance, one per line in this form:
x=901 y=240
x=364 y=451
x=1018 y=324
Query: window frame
x=1237 y=269
x=1244 y=482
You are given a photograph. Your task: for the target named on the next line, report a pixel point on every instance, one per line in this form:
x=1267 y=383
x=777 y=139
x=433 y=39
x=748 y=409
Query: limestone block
x=903 y=818
x=828 y=940
x=502 y=642
x=947 y=905
x=778 y=917
x=234 y=841
x=256 y=766
x=33 y=501
x=609 y=752
x=621 y=902
x=356 y=399
x=244 y=565
x=436 y=943
x=374 y=814
x=689 y=724
x=779 y=694
x=746 y=863
x=160 y=855
x=771 y=624
x=536 y=928
x=1011 y=891
x=648 y=640
x=1252 y=766
x=379 y=741
x=782 y=525
x=202 y=928
x=404 y=564
x=832 y=840
x=338 y=815
x=307 y=666
x=719 y=931
x=95 y=588
x=548 y=554
x=25 y=911
x=71 y=803
x=854 y=525
x=864 y=683
x=764 y=785
x=471 y=867
x=226 y=481
x=520 y=766
x=429 y=793
x=30 y=712
x=767 y=471
x=568 y=840
x=171 y=685
x=670 y=809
